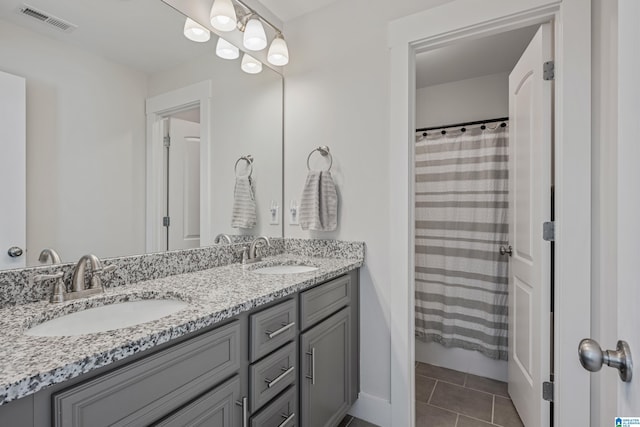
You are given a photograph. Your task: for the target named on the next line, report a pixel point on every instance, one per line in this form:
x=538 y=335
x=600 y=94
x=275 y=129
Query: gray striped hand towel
x=319 y=203
x=244 y=204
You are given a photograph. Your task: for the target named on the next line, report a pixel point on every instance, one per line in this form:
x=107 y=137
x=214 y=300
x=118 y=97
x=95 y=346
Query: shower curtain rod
x=477 y=122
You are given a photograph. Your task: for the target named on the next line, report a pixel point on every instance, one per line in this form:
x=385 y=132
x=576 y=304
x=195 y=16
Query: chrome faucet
x=48 y=253
x=222 y=237
x=253 y=248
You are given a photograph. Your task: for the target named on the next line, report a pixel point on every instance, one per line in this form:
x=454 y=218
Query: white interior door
x=530 y=205
x=628 y=250
x=184 y=184
x=12 y=171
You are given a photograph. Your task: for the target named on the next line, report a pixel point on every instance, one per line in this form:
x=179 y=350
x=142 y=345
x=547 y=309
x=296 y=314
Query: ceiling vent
x=46 y=18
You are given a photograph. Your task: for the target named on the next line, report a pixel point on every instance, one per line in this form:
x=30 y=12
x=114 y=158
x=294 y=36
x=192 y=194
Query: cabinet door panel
x=321 y=301
x=325 y=371
x=216 y=408
x=148 y=389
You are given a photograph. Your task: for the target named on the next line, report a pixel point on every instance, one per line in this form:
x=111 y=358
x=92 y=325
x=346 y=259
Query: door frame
x=468 y=19
x=157 y=108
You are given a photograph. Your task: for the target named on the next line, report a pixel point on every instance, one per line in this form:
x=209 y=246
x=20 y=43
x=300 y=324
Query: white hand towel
x=244 y=204
x=319 y=202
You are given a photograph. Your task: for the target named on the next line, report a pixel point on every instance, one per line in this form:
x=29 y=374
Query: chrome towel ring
x=324 y=151
x=249 y=159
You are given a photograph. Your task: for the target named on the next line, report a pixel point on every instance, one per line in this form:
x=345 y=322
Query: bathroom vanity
x=286 y=355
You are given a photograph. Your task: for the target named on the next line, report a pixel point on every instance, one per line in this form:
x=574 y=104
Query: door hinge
x=547 y=391
x=549 y=231
x=166 y=141
x=548 y=70
x=166 y=221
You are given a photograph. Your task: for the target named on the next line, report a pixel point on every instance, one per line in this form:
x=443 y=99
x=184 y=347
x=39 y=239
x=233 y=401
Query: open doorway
x=465 y=186
x=182 y=179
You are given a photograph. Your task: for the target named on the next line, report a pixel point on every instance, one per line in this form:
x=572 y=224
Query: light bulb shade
x=196 y=32
x=278 y=52
x=226 y=50
x=254 y=35
x=223 y=15
x=250 y=64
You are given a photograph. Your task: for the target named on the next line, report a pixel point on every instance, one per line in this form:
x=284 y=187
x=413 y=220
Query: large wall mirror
x=101 y=99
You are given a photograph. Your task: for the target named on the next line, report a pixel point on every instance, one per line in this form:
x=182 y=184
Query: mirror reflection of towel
x=244 y=204
x=319 y=202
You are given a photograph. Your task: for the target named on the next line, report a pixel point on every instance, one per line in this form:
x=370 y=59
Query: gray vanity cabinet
x=325 y=364
x=144 y=391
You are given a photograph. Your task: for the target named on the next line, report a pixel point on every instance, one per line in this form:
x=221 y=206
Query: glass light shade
x=278 y=52
x=196 y=32
x=226 y=50
x=254 y=36
x=250 y=64
x=223 y=15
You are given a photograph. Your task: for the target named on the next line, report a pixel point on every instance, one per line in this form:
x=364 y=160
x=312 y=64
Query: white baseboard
x=372 y=409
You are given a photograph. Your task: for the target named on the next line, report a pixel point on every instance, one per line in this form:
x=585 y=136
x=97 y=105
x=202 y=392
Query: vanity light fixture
x=223 y=15
x=250 y=65
x=226 y=50
x=278 y=51
x=196 y=32
x=254 y=36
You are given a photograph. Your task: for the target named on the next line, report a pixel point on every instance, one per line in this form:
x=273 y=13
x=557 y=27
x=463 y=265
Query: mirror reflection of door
x=12 y=171
x=182 y=179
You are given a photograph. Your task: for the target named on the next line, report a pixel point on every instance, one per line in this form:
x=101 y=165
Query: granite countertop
x=29 y=363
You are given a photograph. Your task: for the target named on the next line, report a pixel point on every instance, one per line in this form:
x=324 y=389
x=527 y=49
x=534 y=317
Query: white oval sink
x=285 y=269
x=107 y=318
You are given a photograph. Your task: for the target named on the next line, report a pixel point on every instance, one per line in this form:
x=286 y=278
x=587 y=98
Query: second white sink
x=107 y=318
x=285 y=269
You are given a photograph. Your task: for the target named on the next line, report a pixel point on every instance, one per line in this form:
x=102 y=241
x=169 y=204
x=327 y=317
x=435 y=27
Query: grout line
x=464 y=383
x=432 y=391
x=457 y=419
x=493 y=408
x=350 y=421
x=443 y=381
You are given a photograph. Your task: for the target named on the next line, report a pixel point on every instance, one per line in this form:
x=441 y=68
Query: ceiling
x=143 y=34
x=290 y=9
x=474 y=58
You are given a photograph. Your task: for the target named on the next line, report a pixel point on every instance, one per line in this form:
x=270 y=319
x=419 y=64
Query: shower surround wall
x=478 y=98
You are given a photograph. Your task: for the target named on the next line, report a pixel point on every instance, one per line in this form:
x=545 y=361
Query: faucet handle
x=245 y=254
x=43 y=277
x=108 y=269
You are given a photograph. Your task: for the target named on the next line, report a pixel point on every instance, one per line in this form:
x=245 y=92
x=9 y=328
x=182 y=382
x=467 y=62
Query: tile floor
x=448 y=398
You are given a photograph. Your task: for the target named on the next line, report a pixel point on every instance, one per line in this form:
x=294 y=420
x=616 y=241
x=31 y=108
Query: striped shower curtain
x=461 y=220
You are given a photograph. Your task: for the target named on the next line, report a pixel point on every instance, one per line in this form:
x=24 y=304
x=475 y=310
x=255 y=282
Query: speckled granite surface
x=28 y=364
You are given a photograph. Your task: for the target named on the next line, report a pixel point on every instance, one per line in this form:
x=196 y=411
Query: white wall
x=246 y=118
x=85 y=147
x=337 y=94
x=479 y=98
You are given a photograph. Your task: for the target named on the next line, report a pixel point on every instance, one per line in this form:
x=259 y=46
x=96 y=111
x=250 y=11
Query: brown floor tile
x=465 y=401
x=470 y=422
x=430 y=416
x=505 y=413
x=487 y=385
x=424 y=387
x=357 y=422
x=345 y=421
x=444 y=374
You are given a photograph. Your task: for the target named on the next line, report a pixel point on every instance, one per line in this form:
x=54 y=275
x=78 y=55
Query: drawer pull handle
x=281 y=330
x=245 y=410
x=288 y=419
x=272 y=383
x=312 y=377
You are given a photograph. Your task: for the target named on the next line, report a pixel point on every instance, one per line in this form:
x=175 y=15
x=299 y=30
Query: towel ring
x=249 y=159
x=324 y=151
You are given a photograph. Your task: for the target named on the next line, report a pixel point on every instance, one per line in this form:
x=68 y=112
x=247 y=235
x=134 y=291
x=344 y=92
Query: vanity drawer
x=148 y=389
x=271 y=328
x=324 y=300
x=271 y=375
x=279 y=413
